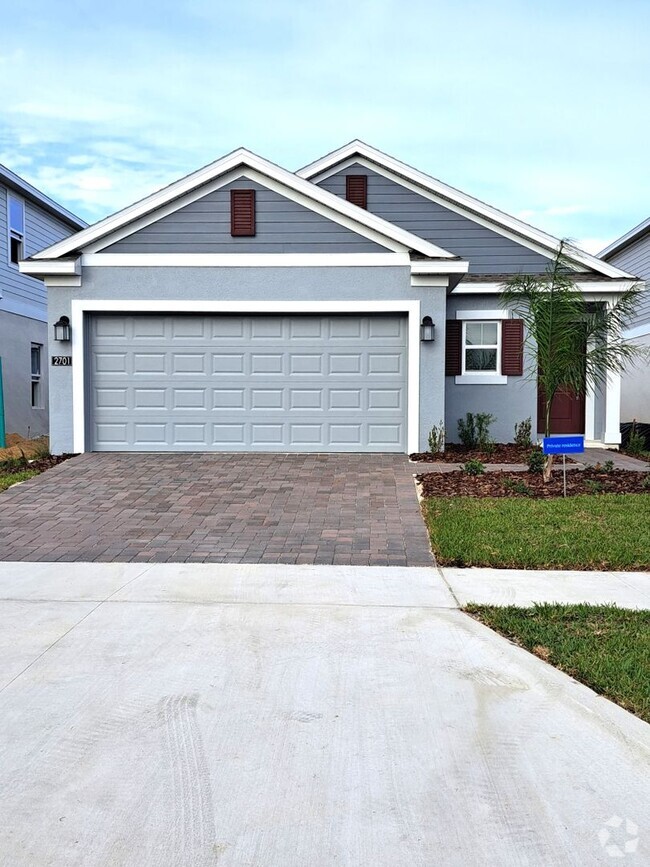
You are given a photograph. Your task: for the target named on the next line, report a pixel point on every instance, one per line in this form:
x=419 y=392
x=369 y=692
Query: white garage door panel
x=248 y=383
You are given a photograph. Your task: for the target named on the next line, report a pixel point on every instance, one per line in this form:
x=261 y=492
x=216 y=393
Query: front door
x=567 y=412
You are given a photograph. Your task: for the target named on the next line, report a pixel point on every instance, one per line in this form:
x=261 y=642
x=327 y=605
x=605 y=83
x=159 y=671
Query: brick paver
x=214 y=508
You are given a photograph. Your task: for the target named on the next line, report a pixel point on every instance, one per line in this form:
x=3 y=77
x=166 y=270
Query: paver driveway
x=346 y=509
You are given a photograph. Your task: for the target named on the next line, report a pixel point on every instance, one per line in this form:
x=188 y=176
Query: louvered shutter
x=512 y=347
x=356 y=190
x=242 y=213
x=453 y=349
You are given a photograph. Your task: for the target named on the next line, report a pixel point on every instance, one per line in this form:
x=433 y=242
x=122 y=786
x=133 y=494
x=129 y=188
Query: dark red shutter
x=512 y=347
x=356 y=190
x=453 y=349
x=242 y=213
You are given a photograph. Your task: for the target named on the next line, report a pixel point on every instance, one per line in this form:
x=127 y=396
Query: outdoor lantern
x=62 y=330
x=426 y=330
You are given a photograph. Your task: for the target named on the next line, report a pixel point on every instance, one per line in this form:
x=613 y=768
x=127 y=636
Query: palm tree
x=574 y=342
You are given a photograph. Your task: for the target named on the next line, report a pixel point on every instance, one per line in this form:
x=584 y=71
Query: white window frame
x=14 y=233
x=481 y=377
x=36 y=378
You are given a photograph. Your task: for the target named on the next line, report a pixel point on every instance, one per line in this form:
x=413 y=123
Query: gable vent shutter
x=242 y=213
x=356 y=190
x=453 y=348
x=512 y=347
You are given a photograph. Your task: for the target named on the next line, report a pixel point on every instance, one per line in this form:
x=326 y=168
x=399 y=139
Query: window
x=481 y=347
x=16 y=225
x=36 y=375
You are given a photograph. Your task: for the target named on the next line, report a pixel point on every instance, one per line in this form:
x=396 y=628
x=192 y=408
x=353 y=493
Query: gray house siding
x=282 y=226
x=253 y=284
x=635 y=259
x=487 y=251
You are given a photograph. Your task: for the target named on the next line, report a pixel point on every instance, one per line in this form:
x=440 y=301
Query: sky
x=538 y=107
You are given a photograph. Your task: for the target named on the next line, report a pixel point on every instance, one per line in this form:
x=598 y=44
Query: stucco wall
x=17 y=333
x=252 y=284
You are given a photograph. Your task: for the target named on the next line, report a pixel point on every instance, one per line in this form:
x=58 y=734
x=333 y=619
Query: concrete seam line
x=74 y=626
x=448 y=586
x=424 y=605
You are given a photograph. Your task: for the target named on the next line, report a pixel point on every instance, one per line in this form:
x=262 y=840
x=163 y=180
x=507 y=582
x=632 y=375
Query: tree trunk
x=548 y=468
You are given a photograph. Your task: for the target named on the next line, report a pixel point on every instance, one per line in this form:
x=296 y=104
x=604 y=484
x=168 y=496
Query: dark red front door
x=567 y=413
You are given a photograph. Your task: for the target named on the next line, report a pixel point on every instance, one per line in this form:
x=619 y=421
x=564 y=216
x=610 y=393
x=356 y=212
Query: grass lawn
x=13 y=478
x=604 y=647
x=603 y=531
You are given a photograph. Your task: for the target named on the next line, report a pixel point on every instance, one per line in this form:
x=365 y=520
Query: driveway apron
x=347 y=509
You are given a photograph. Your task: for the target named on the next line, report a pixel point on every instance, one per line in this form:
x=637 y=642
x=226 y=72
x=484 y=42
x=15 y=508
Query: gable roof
x=465 y=204
x=625 y=240
x=306 y=193
x=21 y=186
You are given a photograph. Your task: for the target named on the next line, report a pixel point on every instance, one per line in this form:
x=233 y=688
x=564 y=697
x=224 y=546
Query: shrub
x=635 y=441
x=523 y=433
x=474 y=430
x=13 y=464
x=473 y=468
x=593 y=486
x=437 y=438
x=536 y=461
x=607 y=467
x=646 y=481
x=518 y=486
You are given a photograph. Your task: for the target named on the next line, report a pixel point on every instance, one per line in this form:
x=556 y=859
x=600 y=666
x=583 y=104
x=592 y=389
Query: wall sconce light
x=427 y=330
x=62 y=330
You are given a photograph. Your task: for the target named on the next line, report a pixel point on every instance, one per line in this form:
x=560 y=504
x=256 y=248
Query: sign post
x=570 y=444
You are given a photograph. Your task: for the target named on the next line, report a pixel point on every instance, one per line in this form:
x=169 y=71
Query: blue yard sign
x=563 y=445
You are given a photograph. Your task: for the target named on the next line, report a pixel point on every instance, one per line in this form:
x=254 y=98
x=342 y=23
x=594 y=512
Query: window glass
x=16 y=215
x=36 y=360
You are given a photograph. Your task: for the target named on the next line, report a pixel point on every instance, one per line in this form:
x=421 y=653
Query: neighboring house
x=632 y=253
x=246 y=308
x=29 y=221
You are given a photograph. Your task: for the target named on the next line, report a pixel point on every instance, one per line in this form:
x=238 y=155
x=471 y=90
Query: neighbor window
x=16 y=225
x=36 y=374
x=481 y=347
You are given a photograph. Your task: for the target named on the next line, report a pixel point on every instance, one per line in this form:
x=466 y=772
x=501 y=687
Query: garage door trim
x=80 y=307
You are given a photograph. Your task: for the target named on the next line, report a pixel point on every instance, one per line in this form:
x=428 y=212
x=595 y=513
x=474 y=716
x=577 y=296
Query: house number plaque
x=61 y=361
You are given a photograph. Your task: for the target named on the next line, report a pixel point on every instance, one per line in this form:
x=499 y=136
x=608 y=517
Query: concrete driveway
x=291 y=716
x=348 y=509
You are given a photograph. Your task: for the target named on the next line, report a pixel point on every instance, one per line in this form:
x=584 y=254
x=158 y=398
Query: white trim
x=612 y=434
x=642 y=330
x=14 y=233
x=237 y=163
x=244 y=260
x=56 y=281
x=56 y=266
x=455 y=266
x=481 y=379
x=80 y=307
x=483 y=314
x=471 y=207
x=589 y=287
x=428 y=280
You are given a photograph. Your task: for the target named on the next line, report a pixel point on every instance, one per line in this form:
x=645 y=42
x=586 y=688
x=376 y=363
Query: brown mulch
x=509 y=484
x=502 y=453
x=38 y=464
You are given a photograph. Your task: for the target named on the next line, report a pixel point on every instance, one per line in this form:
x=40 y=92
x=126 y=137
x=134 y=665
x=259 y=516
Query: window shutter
x=356 y=190
x=453 y=349
x=242 y=213
x=512 y=347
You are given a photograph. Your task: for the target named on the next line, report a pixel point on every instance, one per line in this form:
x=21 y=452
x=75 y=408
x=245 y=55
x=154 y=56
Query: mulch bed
x=39 y=464
x=524 y=484
x=502 y=453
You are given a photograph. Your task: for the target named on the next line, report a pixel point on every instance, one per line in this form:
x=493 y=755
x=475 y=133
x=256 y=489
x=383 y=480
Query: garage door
x=248 y=383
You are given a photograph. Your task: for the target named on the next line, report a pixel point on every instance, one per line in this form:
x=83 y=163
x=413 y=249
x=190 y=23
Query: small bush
x=646 y=482
x=10 y=465
x=635 y=441
x=473 y=468
x=474 y=430
x=593 y=486
x=607 y=467
x=523 y=433
x=518 y=486
x=536 y=461
x=437 y=438
x=41 y=449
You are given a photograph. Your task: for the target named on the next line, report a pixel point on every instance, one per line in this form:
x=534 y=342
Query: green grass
x=604 y=647
x=13 y=478
x=606 y=531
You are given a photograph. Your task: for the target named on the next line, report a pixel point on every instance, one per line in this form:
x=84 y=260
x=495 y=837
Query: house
x=29 y=221
x=248 y=308
x=632 y=253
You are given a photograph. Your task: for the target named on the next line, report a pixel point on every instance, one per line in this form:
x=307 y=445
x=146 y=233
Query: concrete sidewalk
x=190 y=715
x=524 y=587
